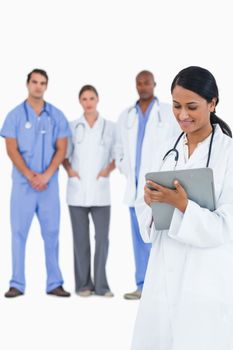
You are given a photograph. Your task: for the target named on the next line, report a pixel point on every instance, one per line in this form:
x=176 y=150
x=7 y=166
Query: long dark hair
x=202 y=82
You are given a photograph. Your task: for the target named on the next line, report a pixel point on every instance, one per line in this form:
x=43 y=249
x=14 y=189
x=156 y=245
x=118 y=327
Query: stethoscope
x=134 y=118
x=83 y=127
x=42 y=131
x=174 y=149
x=28 y=124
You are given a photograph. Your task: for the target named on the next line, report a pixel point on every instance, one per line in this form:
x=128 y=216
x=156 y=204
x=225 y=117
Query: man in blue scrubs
x=36 y=139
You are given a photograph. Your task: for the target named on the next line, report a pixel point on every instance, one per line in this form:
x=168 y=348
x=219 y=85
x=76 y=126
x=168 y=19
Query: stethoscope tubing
x=82 y=124
x=174 y=149
x=28 y=124
x=130 y=110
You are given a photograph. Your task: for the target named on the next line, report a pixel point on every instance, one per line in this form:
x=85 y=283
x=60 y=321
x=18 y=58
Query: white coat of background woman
x=89 y=163
x=187 y=300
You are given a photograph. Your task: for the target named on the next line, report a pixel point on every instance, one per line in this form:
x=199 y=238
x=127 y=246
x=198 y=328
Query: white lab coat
x=157 y=135
x=187 y=300
x=88 y=156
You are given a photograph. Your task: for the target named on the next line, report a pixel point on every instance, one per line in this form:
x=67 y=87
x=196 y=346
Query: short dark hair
x=88 y=88
x=38 y=71
x=146 y=72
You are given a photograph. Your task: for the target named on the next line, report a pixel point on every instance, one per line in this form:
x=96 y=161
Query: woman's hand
x=73 y=173
x=156 y=193
x=103 y=173
x=107 y=170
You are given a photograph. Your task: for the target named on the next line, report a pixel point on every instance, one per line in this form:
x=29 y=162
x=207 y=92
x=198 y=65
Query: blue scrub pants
x=141 y=250
x=25 y=202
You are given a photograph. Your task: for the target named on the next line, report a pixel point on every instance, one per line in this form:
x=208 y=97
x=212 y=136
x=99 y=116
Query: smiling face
x=89 y=101
x=191 y=110
x=37 y=86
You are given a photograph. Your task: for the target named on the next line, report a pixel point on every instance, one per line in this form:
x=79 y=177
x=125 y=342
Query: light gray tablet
x=198 y=183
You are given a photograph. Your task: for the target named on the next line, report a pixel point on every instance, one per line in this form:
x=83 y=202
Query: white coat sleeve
x=145 y=221
x=119 y=151
x=202 y=228
x=70 y=148
x=113 y=143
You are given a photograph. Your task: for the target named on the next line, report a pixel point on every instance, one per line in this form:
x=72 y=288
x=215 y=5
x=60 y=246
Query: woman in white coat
x=89 y=163
x=187 y=300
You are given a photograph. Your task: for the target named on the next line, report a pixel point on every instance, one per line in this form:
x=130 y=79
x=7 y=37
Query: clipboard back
x=198 y=183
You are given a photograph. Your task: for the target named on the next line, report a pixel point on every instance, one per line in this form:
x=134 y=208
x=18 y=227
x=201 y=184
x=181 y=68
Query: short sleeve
x=63 y=127
x=9 y=126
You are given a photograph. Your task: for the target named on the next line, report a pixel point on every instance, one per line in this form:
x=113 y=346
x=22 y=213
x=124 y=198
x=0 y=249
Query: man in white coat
x=142 y=129
x=187 y=300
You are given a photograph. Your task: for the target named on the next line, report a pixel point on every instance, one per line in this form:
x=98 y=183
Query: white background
x=104 y=43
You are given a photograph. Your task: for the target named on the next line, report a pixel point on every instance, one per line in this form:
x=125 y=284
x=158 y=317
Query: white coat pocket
x=102 y=194
x=74 y=190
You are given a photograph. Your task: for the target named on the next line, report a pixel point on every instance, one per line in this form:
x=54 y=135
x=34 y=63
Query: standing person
x=187 y=300
x=36 y=139
x=141 y=131
x=89 y=162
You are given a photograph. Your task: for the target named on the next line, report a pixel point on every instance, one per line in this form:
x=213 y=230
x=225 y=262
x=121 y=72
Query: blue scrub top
x=37 y=144
x=142 y=121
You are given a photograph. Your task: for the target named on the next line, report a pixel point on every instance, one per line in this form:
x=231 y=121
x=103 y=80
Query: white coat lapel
x=154 y=115
x=132 y=127
x=200 y=154
x=198 y=157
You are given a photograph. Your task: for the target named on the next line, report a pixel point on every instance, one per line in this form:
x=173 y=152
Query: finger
x=41 y=188
x=158 y=197
x=33 y=184
x=178 y=187
x=147 y=199
x=148 y=191
x=154 y=185
x=37 y=188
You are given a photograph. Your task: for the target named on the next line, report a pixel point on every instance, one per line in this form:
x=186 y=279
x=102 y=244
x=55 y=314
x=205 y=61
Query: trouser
x=25 y=202
x=82 y=253
x=141 y=250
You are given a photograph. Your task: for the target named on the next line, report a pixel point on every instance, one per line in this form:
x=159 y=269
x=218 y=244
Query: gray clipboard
x=198 y=183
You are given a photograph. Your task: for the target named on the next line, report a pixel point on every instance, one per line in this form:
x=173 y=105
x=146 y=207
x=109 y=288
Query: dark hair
x=146 y=72
x=88 y=88
x=202 y=82
x=38 y=71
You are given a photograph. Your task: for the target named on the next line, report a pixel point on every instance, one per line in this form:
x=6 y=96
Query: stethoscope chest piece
x=28 y=125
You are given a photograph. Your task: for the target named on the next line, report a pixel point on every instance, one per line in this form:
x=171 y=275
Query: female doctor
x=187 y=300
x=89 y=163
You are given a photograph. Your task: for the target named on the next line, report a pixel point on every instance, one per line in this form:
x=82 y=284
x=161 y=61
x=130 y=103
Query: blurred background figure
x=89 y=162
x=142 y=129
